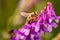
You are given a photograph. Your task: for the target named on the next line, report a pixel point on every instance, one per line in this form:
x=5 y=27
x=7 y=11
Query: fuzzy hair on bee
x=32 y=17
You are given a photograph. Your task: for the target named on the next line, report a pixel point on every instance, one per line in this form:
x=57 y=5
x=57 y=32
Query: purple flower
x=52 y=12
x=28 y=33
x=47 y=20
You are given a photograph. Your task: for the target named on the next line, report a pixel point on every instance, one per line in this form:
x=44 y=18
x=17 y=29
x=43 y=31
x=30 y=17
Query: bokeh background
x=8 y=12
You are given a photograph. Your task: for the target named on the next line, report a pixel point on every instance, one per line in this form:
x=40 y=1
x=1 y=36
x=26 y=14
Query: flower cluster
x=34 y=30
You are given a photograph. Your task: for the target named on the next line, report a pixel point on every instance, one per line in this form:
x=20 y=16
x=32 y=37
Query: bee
x=32 y=17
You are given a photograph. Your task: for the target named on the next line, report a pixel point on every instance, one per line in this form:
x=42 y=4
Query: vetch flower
x=47 y=18
x=29 y=31
x=36 y=25
x=51 y=11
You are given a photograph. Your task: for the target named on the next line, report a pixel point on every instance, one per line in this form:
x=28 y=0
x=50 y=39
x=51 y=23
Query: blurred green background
x=8 y=7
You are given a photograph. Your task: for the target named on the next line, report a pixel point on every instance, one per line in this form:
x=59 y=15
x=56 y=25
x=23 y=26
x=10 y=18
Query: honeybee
x=32 y=17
